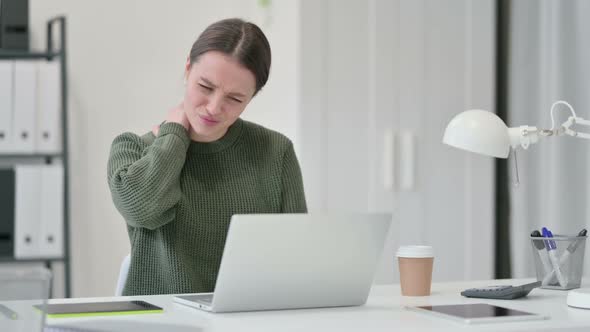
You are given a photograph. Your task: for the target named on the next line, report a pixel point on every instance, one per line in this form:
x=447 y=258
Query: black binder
x=14 y=24
x=7 y=192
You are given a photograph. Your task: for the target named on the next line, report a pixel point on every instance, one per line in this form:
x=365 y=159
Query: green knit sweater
x=177 y=197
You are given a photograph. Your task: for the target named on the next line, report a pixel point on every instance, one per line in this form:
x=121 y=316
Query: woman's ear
x=187 y=69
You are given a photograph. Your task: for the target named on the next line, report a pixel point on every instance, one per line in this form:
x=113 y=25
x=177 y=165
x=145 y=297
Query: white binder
x=6 y=97
x=27 y=212
x=25 y=103
x=48 y=137
x=52 y=193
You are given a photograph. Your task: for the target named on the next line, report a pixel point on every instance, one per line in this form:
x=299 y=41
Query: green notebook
x=65 y=310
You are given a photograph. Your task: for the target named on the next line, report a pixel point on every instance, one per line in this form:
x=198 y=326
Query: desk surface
x=384 y=311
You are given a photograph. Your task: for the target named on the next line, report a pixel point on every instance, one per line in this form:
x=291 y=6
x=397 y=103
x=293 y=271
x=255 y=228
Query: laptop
x=293 y=261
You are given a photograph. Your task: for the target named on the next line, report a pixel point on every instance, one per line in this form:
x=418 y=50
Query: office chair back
x=123 y=275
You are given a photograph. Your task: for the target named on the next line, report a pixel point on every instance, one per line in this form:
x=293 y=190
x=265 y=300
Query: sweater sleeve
x=293 y=194
x=145 y=180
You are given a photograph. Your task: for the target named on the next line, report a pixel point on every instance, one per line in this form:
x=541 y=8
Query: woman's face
x=217 y=91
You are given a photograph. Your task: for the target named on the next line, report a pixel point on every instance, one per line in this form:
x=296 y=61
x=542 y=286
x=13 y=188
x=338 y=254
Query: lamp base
x=579 y=298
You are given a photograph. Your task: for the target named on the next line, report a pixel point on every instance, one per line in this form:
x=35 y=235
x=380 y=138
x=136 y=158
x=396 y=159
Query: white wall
x=400 y=68
x=125 y=62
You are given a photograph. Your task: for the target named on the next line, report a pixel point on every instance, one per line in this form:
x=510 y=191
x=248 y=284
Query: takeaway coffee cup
x=415 y=269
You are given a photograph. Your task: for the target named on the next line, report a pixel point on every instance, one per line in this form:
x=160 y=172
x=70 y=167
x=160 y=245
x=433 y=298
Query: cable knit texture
x=177 y=197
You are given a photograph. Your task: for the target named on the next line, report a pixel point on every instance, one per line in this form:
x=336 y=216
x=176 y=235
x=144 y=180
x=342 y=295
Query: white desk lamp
x=485 y=133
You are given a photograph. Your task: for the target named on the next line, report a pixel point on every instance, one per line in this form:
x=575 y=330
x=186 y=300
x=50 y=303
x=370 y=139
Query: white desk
x=384 y=311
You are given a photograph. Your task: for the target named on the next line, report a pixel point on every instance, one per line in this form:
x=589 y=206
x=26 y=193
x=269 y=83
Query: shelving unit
x=60 y=55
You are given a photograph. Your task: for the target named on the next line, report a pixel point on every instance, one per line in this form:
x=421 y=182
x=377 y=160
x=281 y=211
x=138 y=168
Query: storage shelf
x=59 y=54
x=29 y=260
x=30 y=155
x=13 y=54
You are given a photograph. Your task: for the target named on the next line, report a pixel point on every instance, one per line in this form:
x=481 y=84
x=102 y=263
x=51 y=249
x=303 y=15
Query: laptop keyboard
x=205 y=298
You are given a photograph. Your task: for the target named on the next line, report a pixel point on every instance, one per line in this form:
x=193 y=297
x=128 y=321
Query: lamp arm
x=524 y=136
x=572 y=120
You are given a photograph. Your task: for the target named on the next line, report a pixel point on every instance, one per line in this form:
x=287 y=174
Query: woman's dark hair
x=243 y=41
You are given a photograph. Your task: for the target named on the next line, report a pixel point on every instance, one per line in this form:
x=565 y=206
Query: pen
x=551 y=246
x=542 y=254
x=564 y=257
x=7 y=312
x=572 y=247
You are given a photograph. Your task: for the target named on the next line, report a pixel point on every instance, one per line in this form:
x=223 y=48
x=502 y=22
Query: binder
x=27 y=211
x=6 y=99
x=25 y=100
x=48 y=136
x=6 y=212
x=52 y=204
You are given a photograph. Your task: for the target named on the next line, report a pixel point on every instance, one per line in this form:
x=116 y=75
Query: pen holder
x=559 y=261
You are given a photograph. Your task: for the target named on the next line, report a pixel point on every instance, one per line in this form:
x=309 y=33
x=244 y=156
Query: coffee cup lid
x=415 y=251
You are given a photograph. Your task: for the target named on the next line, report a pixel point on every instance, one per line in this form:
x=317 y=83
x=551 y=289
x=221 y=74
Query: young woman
x=178 y=186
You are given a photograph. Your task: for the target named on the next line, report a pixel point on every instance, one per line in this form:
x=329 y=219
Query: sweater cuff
x=175 y=129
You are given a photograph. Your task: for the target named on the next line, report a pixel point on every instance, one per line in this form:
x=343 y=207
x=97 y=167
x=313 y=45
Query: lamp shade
x=478 y=131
